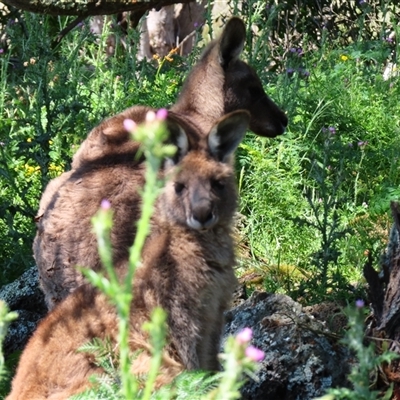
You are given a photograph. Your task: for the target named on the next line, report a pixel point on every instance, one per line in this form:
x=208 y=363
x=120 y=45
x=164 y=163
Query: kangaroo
x=107 y=165
x=220 y=83
x=187 y=269
x=64 y=239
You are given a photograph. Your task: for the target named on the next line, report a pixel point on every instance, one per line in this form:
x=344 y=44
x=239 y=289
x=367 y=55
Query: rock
x=302 y=357
x=25 y=297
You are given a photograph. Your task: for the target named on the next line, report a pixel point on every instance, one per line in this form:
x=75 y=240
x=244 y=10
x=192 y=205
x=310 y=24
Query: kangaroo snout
x=202 y=216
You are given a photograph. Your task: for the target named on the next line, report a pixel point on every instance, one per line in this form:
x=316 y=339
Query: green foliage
x=317 y=199
x=367 y=361
x=54 y=93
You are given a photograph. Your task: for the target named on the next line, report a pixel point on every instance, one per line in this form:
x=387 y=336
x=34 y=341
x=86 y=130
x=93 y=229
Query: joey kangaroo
x=187 y=269
x=219 y=83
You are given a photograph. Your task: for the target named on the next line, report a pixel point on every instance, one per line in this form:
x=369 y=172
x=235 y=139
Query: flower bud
x=105 y=204
x=254 y=354
x=244 y=336
x=129 y=125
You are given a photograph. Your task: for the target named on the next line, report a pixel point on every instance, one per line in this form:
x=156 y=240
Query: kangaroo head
x=220 y=83
x=243 y=87
x=201 y=191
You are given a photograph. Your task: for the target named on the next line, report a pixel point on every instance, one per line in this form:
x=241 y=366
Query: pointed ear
x=179 y=138
x=226 y=135
x=232 y=41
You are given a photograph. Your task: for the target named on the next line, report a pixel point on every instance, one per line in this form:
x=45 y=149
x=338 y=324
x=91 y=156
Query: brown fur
x=187 y=269
x=104 y=168
x=220 y=83
x=50 y=366
x=105 y=165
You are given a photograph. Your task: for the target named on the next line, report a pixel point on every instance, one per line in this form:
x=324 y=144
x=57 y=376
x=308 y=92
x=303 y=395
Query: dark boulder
x=302 y=357
x=25 y=297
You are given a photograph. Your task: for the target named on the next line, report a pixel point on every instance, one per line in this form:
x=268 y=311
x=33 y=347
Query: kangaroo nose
x=202 y=216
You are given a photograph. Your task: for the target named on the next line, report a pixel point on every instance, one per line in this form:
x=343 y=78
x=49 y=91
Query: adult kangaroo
x=219 y=83
x=187 y=269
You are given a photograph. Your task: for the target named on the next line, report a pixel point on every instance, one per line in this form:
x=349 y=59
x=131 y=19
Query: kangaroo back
x=106 y=166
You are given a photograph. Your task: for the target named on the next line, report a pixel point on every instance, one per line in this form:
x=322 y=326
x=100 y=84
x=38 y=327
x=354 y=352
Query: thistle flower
x=105 y=204
x=162 y=114
x=360 y=303
x=129 y=125
x=254 y=354
x=244 y=336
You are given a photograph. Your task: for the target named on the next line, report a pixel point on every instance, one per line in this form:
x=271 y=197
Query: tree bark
x=85 y=8
x=384 y=296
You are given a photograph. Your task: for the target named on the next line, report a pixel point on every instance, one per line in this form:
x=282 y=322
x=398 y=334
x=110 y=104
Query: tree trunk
x=89 y=7
x=384 y=296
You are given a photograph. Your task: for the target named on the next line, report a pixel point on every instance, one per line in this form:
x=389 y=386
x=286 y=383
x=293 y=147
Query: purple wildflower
x=162 y=114
x=1 y=51
x=360 y=303
x=129 y=125
x=105 y=204
x=332 y=130
x=244 y=336
x=254 y=354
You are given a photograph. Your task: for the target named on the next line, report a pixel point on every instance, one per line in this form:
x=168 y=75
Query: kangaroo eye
x=179 y=187
x=218 y=184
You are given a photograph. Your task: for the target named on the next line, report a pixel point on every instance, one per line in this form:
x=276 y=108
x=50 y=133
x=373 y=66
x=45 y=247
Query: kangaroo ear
x=226 y=135
x=232 y=41
x=179 y=138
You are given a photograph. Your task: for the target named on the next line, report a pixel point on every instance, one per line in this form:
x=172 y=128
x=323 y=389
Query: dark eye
x=179 y=187
x=217 y=184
